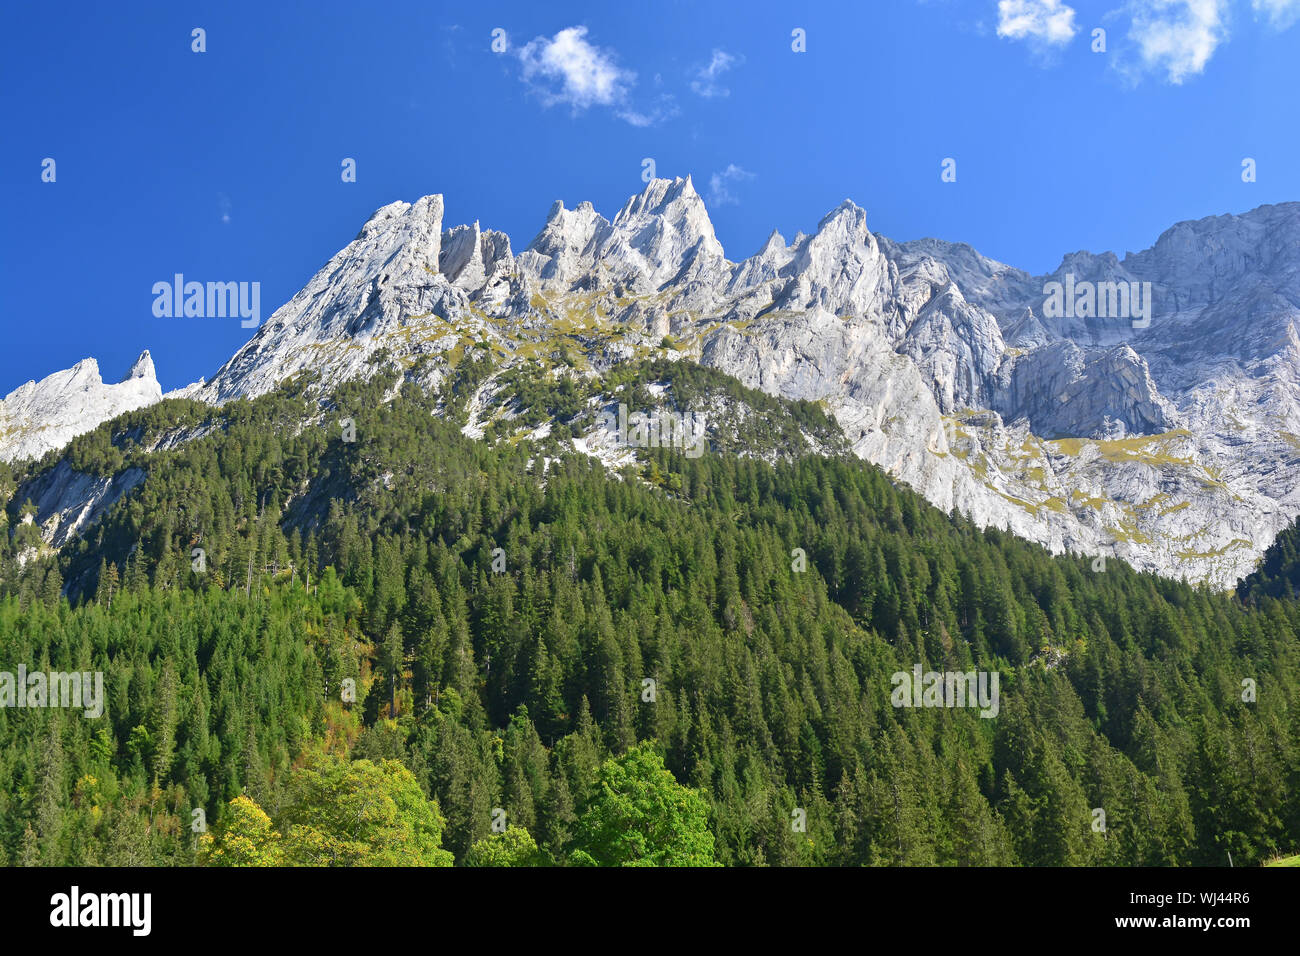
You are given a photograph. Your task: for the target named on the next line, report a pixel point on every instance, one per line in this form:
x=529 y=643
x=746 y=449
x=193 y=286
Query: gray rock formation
x=42 y=416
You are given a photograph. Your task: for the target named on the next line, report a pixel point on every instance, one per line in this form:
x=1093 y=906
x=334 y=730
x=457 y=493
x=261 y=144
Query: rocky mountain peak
x=847 y=209
x=840 y=267
x=658 y=231
x=142 y=369
x=41 y=416
x=564 y=249
x=775 y=242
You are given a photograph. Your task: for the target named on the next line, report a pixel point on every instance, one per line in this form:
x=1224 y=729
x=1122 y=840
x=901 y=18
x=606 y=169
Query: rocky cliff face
x=45 y=415
x=1169 y=436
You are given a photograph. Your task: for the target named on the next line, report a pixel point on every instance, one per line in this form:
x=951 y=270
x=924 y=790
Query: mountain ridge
x=41 y=416
x=1171 y=446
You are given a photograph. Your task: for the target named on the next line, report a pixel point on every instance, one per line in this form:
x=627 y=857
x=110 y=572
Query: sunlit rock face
x=43 y=416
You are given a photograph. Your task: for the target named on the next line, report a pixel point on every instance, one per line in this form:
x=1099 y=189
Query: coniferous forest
x=340 y=632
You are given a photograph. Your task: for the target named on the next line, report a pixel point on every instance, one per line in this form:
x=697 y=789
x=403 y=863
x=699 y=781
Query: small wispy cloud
x=1280 y=14
x=720 y=185
x=1046 y=22
x=225 y=207
x=1178 y=37
x=665 y=107
x=449 y=32
x=705 y=81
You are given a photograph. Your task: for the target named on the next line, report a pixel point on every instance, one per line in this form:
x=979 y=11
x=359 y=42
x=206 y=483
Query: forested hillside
x=1278 y=574
x=533 y=640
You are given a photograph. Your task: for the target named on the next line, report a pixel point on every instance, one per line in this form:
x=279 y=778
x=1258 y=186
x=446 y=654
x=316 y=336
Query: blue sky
x=225 y=165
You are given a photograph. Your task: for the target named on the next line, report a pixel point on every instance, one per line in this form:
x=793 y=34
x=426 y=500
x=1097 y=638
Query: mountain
x=1168 y=436
x=447 y=545
x=343 y=572
x=44 y=416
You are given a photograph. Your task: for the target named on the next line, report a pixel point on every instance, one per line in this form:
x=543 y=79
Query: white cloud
x=1049 y=22
x=1178 y=36
x=720 y=184
x=1174 y=37
x=1279 y=13
x=706 y=77
x=568 y=69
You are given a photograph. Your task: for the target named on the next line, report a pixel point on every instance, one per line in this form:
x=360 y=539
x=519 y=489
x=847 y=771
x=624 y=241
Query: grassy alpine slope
x=686 y=662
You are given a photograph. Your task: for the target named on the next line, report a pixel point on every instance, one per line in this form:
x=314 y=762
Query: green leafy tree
x=514 y=847
x=244 y=838
x=639 y=815
x=358 y=813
